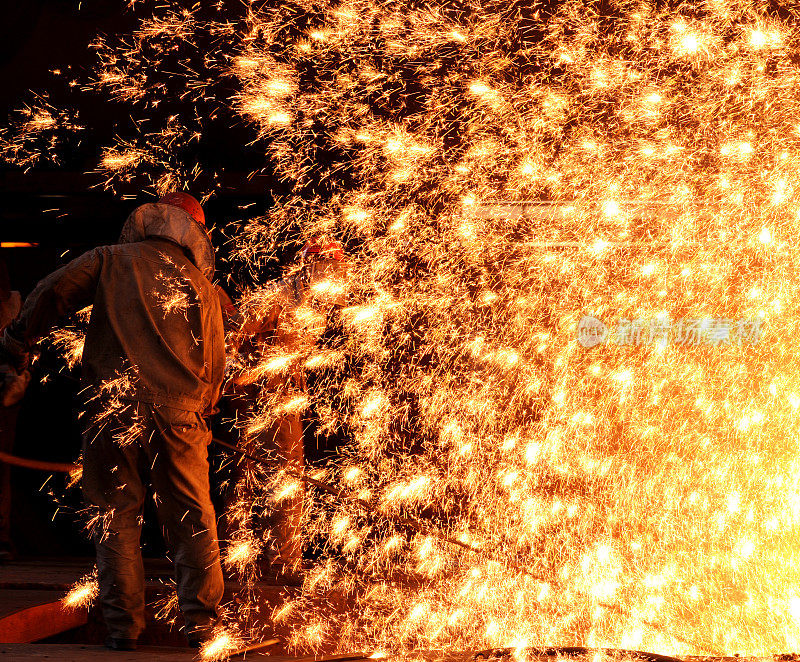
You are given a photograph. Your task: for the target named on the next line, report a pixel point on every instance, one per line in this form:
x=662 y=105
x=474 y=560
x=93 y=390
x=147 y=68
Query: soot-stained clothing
x=156 y=317
x=276 y=326
x=169 y=453
x=156 y=335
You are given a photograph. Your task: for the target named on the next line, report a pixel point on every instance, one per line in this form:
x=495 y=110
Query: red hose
x=61 y=467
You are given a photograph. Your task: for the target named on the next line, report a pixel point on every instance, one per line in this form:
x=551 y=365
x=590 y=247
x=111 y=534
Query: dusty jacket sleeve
x=64 y=291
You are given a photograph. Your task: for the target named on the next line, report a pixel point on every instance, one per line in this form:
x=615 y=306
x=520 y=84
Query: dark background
x=62 y=209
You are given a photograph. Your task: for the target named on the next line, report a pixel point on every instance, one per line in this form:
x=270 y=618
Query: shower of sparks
x=165 y=608
x=68 y=340
x=175 y=298
x=39 y=134
x=70 y=343
x=220 y=647
x=83 y=593
x=638 y=497
x=241 y=556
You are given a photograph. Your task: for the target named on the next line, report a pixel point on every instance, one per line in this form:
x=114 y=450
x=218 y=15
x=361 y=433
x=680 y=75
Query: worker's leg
x=285 y=438
x=235 y=518
x=114 y=492
x=179 y=473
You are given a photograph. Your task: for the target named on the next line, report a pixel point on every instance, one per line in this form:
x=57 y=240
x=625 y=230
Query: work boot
x=116 y=644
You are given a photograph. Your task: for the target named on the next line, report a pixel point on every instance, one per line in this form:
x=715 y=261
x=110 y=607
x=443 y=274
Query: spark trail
x=659 y=479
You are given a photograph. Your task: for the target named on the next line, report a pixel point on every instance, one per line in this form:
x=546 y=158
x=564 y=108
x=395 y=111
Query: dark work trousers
x=167 y=447
x=282 y=440
x=285 y=438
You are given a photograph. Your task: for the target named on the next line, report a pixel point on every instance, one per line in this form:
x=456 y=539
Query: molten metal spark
x=83 y=592
x=220 y=647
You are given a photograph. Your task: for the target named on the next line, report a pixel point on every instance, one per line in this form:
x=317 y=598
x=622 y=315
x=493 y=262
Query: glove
x=13 y=352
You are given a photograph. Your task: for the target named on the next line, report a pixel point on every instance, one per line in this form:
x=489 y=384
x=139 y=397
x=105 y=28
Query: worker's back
x=156 y=333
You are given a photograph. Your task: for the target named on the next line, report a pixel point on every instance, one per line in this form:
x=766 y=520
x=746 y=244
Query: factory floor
x=35 y=624
x=88 y=653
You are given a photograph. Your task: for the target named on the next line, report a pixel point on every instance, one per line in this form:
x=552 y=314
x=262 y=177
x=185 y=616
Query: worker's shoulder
x=163 y=259
x=154 y=249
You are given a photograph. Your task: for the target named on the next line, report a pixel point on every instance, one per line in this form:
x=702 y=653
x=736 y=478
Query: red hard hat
x=187 y=202
x=330 y=250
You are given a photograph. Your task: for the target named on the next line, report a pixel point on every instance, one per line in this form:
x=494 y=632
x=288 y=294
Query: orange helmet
x=187 y=202
x=326 y=250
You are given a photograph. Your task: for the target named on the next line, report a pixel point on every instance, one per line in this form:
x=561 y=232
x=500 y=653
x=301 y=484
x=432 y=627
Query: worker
x=291 y=321
x=153 y=361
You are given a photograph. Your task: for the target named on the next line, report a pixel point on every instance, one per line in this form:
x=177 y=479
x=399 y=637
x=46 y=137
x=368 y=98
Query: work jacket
x=155 y=333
